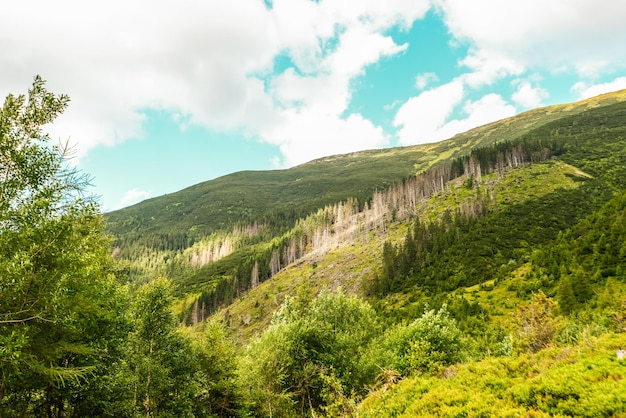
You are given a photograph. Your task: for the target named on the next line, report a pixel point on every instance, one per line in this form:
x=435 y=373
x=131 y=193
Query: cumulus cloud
x=529 y=96
x=212 y=62
x=426 y=118
x=584 y=90
x=133 y=196
x=488 y=67
x=584 y=35
x=311 y=99
x=322 y=134
x=310 y=119
x=508 y=39
x=487 y=109
x=116 y=59
x=421 y=118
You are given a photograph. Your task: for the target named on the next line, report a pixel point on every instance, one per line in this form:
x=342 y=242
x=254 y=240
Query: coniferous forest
x=481 y=276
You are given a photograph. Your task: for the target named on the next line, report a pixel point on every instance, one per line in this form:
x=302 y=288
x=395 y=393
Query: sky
x=166 y=94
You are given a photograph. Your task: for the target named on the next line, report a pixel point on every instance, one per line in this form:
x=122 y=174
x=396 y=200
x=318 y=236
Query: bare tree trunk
x=255 y=275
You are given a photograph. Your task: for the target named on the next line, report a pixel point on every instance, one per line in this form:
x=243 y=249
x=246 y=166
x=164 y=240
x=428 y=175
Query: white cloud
x=528 y=96
x=584 y=35
x=133 y=196
x=426 y=118
x=115 y=59
x=488 y=67
x=423 y=80
x=584 y=91
x=320 y=134
x=209 y=61
x=508 y=39
x=309 y=120
x=421 y=117
x=487 y=109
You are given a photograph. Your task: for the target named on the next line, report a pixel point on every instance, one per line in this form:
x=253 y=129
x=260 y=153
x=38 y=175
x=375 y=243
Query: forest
x=490 y=282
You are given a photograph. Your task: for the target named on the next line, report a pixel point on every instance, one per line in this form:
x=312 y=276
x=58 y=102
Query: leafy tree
x=311 y=355
x=160 y=358
x=217 y=391
x=57 y=283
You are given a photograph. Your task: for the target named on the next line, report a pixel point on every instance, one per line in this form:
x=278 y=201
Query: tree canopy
x=56 y=276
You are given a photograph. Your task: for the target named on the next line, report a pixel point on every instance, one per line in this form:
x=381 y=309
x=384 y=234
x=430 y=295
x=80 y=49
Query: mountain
x=286 y=195
x=220 y=238
x=484 y=275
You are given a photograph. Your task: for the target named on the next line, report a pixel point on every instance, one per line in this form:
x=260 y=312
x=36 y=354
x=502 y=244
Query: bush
x=426 y=344
x=536 y=323
x=310 y=359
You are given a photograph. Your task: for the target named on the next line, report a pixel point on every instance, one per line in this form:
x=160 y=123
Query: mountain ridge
x=365 y=170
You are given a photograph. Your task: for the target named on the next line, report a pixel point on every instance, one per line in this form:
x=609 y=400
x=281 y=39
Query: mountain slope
x=499 y=219
x=286 y=195
x=527 y=208
x=508 y=254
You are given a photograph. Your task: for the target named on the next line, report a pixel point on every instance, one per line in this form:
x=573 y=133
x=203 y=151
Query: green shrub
x=424 y=345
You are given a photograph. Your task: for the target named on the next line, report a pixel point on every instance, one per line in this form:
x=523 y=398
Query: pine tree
x=565 y=295
x=581 y=286
x=389 y=266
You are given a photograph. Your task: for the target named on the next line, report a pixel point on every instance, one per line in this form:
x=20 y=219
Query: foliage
x=70 y=344
x=584 y=380
x=311 y=355
x=172 y=371
x=217 y=391
x=424 y=345
x=536 y=323
x=58 y=325
x=566 y=298
x=160 y=358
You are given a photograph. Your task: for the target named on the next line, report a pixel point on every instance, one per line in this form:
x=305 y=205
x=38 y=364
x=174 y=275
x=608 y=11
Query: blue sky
x=166 y=94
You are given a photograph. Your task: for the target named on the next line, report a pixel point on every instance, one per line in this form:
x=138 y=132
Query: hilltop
x=249 y=196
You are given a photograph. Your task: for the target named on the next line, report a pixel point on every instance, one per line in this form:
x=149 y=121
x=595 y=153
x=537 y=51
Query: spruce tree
x=565 y=295
x=581 y=286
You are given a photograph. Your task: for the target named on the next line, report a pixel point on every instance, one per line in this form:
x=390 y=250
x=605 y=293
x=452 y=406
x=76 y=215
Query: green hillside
x=471 y=236
x=579 y=373
x=503 y=295
x=489 y=281
x=282 y=196
x=211 y=270
x=160 y=236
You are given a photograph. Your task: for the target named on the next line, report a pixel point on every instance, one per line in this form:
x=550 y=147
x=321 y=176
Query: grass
x=585 y=380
